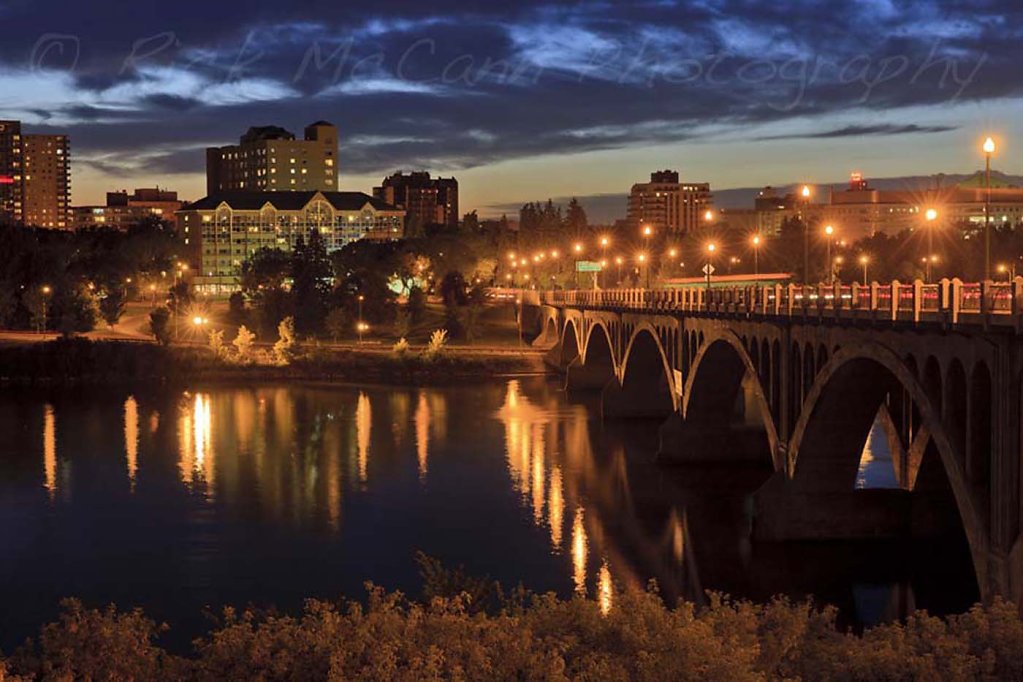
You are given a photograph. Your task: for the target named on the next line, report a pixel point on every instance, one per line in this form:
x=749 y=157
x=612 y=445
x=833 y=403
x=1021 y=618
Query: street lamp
x=362 y=328
x=619 y=261
x=709 y=270
x=604 y=243
x=864 y=261
x=359 y=326
x=829 y=231
x=806 y=232
x=1008 y=270
x=756 y=255
x=931 y=215
x=989 y=149
x=46 y=297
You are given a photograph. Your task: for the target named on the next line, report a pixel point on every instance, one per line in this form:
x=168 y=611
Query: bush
x=159 y=325
x=243 y=343
x=438 y=342
x=287 y=345
x=469 y=629
x=401 y=347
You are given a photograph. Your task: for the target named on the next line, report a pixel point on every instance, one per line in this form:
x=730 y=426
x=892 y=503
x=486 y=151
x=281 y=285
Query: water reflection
x=50 y=450
x=265 y=495
x=131 y=438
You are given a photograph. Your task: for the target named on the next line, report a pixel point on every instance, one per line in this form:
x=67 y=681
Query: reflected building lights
x=363 y=426
x=195 y=441
x=131 y=438
x=50 y=450
x=579 y=551
x=556 y=508
x=538 y=473
x=605 y=589
x=422 y=424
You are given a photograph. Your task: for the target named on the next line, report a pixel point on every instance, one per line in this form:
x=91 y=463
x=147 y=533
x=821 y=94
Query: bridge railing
x=949 y=300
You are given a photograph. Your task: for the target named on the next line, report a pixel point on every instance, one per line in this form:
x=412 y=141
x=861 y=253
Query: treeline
x=630 y=635
x=70 y=281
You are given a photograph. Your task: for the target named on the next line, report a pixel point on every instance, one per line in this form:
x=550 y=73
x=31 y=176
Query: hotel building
x=667 y=205
x=221 y=231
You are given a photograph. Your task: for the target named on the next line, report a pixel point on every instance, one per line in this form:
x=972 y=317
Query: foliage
x=438 y=343
x=416 y=304
x=159 y=325
x=286 y=346
x=311 y=276
x=470 y=321
x=337 y=323
x=467 y=628
x=112 y=306
x=8 y=304
x=236 y=308
x=265 y=269
x=243 y=343
x=400 y=347
x=180 y=297
x=35 y=301
x=453 y=289
x=216 y=343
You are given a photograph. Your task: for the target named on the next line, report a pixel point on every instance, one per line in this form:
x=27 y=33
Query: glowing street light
x=829 y=232
x=864 y=261
x=755 y=241
x=930 y=216
x=46 y=290
x=806 y=231
x=989 y=150
x=711 y=248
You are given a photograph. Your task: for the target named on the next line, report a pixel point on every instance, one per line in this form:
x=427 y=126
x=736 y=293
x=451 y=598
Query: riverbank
x=80 y=361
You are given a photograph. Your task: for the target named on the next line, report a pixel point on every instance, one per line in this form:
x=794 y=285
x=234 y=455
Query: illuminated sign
x=6 y=180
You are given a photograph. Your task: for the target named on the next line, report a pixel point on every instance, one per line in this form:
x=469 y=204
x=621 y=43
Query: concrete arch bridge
x=796 y=377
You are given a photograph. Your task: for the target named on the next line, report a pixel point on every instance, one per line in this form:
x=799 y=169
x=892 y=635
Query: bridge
x=795 y=377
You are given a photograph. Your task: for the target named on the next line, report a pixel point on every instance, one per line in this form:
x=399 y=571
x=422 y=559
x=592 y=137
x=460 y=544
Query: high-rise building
x=46 y=185
x=668 y=205
x=425 y=200
x=269 y=158
x=10 y=172
x=35 y=178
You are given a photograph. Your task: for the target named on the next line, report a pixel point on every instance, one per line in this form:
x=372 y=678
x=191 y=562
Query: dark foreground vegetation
x=82 y=361
x=529 y=637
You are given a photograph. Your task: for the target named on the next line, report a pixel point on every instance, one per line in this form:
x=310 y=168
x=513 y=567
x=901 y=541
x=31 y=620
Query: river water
x=180 y=502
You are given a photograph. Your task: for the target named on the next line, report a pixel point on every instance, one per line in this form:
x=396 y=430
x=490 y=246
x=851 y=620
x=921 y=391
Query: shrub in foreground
x=536 y=637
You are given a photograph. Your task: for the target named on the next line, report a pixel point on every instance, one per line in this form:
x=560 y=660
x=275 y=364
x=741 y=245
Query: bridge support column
x=688 y=442
x=617 y=402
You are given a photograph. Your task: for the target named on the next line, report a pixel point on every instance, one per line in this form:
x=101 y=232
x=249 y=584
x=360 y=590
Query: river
x=180 y=502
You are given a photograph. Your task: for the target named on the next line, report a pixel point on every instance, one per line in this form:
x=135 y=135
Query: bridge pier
x=587 y=377
x=688 y=442
x=618 y=402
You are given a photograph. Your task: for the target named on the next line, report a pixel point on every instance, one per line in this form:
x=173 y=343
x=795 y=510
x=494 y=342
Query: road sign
x=708 y=269
x=587 y=266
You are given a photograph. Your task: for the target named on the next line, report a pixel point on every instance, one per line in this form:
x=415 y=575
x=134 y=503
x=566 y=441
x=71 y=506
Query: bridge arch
x=598 y=356
x=571 y=347
x=720 y=371
x=645 y=367
x=837 y=416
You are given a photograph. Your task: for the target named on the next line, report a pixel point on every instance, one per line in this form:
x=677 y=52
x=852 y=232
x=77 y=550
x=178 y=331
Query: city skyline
x=506 y=99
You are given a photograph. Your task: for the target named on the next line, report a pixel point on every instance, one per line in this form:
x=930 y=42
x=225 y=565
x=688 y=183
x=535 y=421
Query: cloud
x=864 y=131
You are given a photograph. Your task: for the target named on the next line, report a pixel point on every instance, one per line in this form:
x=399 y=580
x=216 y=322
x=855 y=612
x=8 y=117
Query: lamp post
x=931 y=215
x=604 y=243
x=619 y=261
x=756 y=255
x=989 y=149
x=806 y=232
x=642 y=259
x=829 y=232
x=648 y=232
x=46 y=297
x=1008 y=270
x=709 y=270
x=864 y=261
x=360 y=326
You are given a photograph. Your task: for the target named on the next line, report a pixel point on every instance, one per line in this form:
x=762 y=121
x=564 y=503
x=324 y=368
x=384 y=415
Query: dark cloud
x=863 y=131
x=454 y=84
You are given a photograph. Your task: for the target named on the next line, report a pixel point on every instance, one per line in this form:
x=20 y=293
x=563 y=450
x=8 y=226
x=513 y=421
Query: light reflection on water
x=273 y=494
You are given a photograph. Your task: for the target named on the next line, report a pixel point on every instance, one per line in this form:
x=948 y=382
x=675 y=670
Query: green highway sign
x=587 y=266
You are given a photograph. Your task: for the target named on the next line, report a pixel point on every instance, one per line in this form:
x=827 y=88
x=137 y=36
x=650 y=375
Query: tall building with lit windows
x=270 y=158
x=668 y=205
x=35 y=178
x=221 y=231
x=46 y=186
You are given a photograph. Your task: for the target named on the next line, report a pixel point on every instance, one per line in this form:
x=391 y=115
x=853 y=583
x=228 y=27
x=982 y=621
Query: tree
x=243 y=342
x=8 y=304
x=471 y=222
x=575 y=218
x=236 y=308
x=265 y=269
x=452 y=289
x=181 y=297
x=216 y=342
x=416 y=304
x=311 y=275
x=286 y=346
x=337 y=323
x=159 y=320
x=36 y=303
x=111 y=306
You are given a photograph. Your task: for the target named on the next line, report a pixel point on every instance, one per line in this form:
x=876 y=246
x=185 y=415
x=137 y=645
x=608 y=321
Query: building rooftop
x=289 y=201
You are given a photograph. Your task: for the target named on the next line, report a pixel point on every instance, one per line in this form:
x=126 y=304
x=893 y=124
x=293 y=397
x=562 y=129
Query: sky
x=522 y=100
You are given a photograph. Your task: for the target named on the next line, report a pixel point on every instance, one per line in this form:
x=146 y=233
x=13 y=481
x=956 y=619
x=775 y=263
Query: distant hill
x=604 y=209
